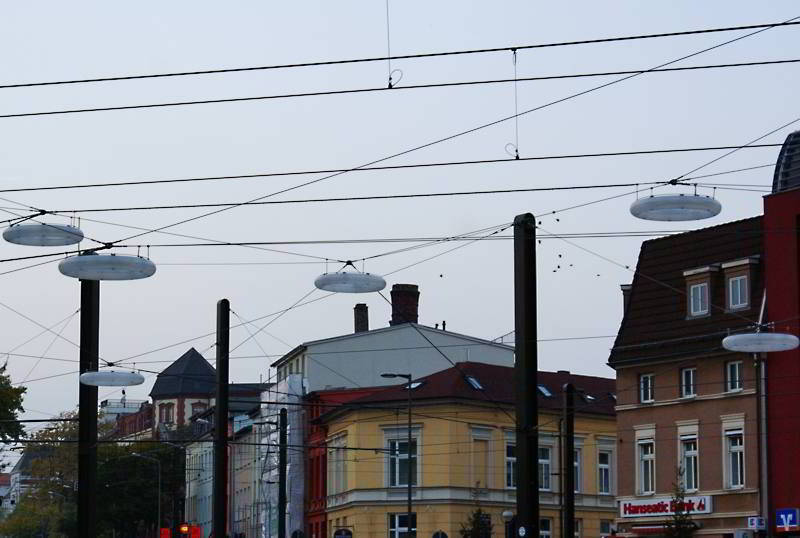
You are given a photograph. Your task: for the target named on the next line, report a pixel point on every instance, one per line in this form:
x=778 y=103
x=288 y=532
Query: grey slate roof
x=190 y=374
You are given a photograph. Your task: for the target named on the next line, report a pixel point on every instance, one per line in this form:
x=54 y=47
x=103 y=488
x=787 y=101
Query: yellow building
x=463 y=455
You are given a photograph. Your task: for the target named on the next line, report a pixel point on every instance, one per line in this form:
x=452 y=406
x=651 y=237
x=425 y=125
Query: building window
x=439 y=534
x=578 y=528
x=511 y=465
x=688 y=382
x=198 y=407
x=734 y=445
x=738 y=295
x=646 y=392
x=545 y=528
x=647 y=466
x=605 y=527
x=604 y=472
x=544 y=468
x=166 y=413
x=698 y=299
x=337 y=466
x=576 y=459
x=399 y=465
x=399 y=528
x=733 y=376
x=689 y=462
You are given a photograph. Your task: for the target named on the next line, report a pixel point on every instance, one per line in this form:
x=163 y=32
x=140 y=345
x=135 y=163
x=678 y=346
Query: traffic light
x=184 y=528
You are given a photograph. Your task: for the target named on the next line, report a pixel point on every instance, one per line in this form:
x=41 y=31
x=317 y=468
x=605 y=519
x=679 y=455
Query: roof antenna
x=444 y=325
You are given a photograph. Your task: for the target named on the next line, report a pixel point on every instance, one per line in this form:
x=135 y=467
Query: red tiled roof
x=655 y=324
x=498 y=388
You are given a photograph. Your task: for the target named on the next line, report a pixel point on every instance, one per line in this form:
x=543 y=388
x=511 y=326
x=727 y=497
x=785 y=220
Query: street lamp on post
x=158 y=463
x=408 y=389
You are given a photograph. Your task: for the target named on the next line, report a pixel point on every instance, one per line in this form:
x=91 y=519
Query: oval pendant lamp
x=344 y=282
x=107 y=267
x=675 y=207
x=759 y=342
x=43 y=234
x=111 y=378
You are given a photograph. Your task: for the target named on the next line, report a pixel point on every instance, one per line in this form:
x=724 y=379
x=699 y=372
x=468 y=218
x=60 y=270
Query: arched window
x=439 y=534
x=342 y=533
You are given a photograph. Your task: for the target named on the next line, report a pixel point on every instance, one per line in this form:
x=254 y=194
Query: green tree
x=680 y=524
x=479 y=525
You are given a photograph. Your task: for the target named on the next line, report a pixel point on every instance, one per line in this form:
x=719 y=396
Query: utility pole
x=221 y=420
x=568 y=460
x=282 y=464
x=87 y=409
x=525 y=375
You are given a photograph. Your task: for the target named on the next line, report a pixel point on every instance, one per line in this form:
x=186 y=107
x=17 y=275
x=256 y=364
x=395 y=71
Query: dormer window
x=474 y=382
x=738 y=294
x=698 y=299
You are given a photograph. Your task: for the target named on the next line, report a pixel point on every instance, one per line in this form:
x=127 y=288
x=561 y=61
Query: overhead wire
x=401 y=57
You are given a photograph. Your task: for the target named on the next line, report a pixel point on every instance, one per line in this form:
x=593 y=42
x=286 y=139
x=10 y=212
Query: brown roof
x=5 y=479
x=655 y=324
x=497 y=384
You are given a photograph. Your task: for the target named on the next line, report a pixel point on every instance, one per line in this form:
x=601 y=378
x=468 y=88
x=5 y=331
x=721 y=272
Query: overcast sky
x=471 y=288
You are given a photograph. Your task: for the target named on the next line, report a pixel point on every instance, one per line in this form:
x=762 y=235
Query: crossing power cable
x=452 y=136
x=147 y=182
x=384 y=89
x=389 y=58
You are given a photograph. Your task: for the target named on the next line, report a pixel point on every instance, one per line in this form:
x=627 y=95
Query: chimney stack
x=626 y=297
x=361 y=317
x=405 y=304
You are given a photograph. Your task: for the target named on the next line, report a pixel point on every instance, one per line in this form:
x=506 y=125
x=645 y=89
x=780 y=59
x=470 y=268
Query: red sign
x=197 y=532
x=665 y=506
x=165 y=533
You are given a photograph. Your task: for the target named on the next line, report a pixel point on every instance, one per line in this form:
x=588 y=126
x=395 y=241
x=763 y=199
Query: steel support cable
x=351 y=91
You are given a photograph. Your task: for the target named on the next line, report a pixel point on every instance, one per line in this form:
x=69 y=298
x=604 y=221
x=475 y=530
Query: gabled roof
x=655 y=325
x=392 y=328
x=497 y=384
x=191 y=374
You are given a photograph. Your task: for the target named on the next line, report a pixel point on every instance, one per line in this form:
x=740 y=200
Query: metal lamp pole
x=158 y=463
x=408 y=389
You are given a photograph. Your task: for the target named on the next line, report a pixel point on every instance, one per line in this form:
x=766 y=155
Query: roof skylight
x=545 y=391
x=474 y=382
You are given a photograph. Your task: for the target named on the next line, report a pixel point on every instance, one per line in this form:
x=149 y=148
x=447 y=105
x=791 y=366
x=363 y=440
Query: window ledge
x=705 y=315
x=689 y=397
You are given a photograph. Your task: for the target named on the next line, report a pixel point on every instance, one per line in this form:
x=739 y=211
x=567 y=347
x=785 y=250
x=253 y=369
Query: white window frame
x=698 y=291
x=604 y=487
x=734 y=458
x=397 y=456
x=544 y=468
x=337 y=465
x=688 y=389
x=394 y=525
x=545 y=533
x=511 y=465
x=576 y=462
x=741 y=285
x=734 y=383
x=690 y=459
x=648 y=395
x=646 y=460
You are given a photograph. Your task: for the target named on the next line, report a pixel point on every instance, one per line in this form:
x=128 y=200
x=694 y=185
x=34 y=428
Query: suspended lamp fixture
x=350 y=282
x=93 y=266
x=759 y=342
x=111 y=378
x=676 y=207
x=43 y=234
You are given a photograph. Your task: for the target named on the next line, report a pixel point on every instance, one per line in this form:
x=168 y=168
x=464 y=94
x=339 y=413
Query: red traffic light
x=184 y=528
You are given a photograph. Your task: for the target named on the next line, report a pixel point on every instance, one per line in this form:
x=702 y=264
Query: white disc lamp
x=107 y=267
x=345 y=282
x=760 y=342
x=676 y=207
x=111 y=378
x=43 y=234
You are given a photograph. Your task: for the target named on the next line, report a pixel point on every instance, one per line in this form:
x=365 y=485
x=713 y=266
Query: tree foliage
x=479 y=525
x=127 y=484
x=680 y=524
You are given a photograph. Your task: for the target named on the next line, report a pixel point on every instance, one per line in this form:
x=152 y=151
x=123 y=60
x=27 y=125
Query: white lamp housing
x=343 y=282
x=760 y=342
x=107 y=267
x=43 y=234
x=676 y=207
x=111 y=378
